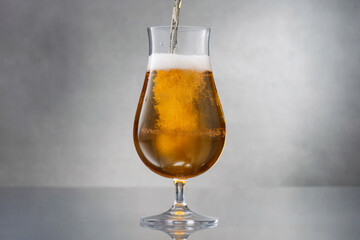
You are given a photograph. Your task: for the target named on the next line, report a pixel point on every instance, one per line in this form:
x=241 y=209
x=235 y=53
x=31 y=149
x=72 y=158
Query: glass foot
x=176 y=218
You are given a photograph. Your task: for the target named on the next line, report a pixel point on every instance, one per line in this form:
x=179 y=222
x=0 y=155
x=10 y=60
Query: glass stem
x=179 y=193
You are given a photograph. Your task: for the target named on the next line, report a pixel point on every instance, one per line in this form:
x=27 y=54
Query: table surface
x=244 y=213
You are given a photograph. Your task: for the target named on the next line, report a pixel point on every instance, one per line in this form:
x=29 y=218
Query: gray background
x=287 y=72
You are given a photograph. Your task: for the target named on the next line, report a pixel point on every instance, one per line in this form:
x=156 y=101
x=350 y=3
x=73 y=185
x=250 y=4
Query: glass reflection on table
x=178 y=232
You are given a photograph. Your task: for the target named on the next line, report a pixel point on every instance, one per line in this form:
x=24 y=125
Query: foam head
x=165 y=61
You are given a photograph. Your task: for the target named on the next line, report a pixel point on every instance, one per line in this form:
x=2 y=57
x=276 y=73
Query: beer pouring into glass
x=179 y=129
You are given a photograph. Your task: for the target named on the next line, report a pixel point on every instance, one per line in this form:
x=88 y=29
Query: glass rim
x=181 y=28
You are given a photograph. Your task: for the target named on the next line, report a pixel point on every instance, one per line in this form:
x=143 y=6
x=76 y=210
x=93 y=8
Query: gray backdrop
x=287 y=72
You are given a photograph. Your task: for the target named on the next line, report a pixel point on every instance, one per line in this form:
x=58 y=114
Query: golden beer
x=179 y=129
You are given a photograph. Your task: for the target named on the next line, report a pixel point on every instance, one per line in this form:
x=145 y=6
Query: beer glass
x=179 y=129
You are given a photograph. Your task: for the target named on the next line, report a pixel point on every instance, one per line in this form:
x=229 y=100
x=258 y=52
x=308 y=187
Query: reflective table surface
x=244 y=213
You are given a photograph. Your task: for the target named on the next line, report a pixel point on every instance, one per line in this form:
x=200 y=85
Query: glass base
x=179 y=217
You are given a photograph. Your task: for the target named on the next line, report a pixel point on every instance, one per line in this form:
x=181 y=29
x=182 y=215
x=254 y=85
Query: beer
x=179 y=129
x=174 y=25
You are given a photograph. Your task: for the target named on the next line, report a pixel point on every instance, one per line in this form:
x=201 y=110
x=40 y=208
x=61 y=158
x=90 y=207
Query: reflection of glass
x=179 y=129
x=177 y=232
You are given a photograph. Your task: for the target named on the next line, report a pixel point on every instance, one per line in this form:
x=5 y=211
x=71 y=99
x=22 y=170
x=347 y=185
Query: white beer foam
x=164 y=61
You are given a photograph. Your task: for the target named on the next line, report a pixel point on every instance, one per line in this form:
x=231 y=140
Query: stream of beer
x=174 y=25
